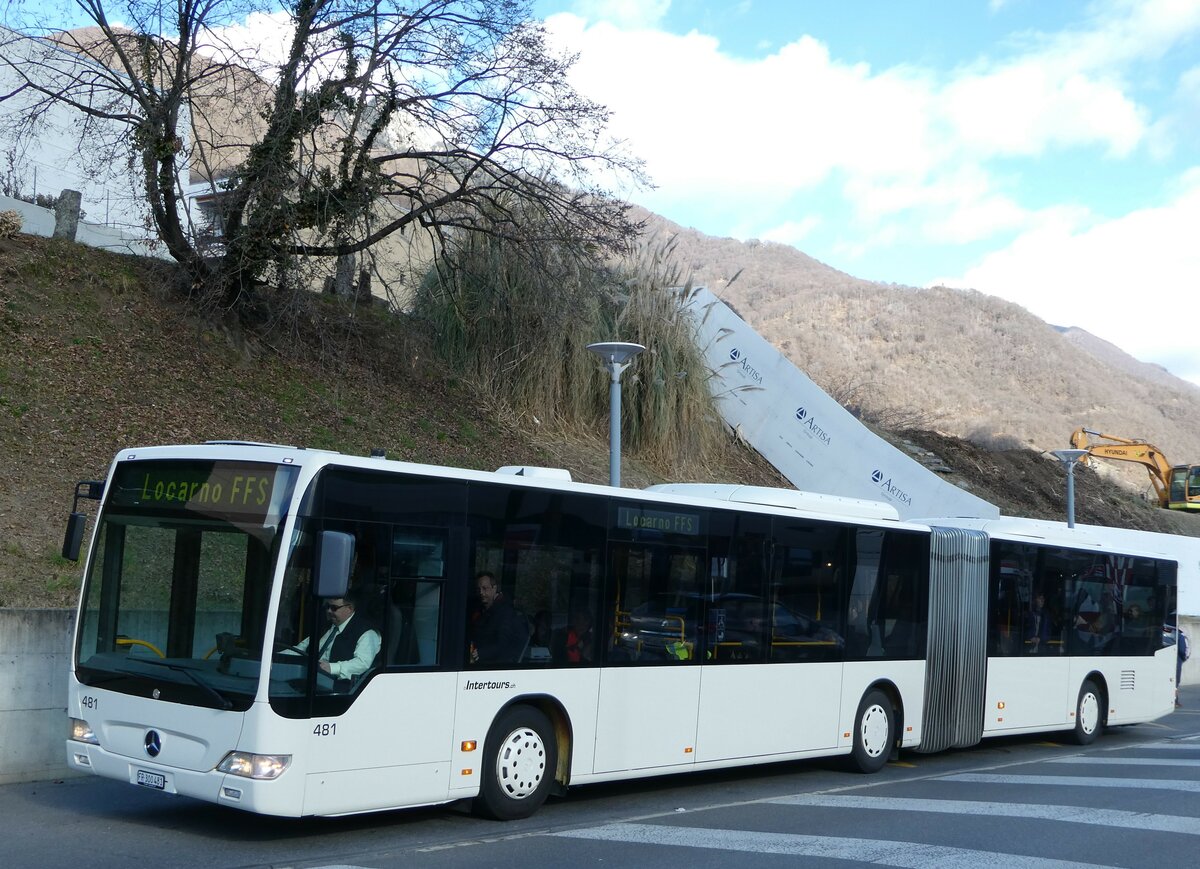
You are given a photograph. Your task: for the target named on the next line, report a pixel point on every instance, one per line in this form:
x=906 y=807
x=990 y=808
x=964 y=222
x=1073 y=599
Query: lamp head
x=615 y=352
x=1068 y=457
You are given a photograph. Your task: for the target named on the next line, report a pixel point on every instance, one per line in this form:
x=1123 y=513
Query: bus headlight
x=81 y=731
x=259 y=766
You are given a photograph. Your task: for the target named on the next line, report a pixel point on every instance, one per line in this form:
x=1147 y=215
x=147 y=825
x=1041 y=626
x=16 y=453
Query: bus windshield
x=176 y=597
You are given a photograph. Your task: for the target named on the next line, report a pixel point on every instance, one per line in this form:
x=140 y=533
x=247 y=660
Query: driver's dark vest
x=347 y=639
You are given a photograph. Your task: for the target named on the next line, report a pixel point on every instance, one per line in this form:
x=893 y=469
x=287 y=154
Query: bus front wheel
x=520 y=757
x=874 y=732
x=1089 y=713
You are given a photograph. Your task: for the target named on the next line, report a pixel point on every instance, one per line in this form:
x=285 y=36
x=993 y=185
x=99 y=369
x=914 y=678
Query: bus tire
x=1089 y=713
x=874 y=732
x=519 y=760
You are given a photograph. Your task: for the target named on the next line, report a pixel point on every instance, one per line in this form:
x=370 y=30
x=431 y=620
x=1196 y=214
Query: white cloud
x=793 y=231
x=1180 y=123
x=1126 y=280
x=1027 y=107
x=970 y=220
x=1069 y=88
x=961 y=205
x=625 y=14
x=707 y=122
x=1125 y=30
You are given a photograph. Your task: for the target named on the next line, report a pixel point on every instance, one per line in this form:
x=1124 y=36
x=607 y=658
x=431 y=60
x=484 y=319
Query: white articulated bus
x=675 y=628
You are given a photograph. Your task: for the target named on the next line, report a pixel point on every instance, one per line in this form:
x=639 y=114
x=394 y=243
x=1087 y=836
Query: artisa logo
x=877 y=477
x=810 y=423
x=735 y=355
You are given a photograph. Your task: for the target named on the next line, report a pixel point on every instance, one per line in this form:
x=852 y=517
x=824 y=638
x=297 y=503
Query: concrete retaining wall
x=35 y=656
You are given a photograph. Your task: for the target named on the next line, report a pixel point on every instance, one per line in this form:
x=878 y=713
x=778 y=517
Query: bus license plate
x=151 y=779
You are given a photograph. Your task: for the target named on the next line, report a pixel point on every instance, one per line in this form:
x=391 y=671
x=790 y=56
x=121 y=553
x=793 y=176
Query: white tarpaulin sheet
x=810 y=438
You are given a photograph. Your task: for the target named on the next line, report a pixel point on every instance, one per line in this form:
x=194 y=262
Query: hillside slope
x=97 y=353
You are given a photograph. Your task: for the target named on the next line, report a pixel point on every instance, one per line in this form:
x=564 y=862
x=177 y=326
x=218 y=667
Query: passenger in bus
x=1094 y=621
x=1136 y=631
x=349 y=647
x=575 y=643
x=543 y=634
x=1037 y=626
x=500 y=634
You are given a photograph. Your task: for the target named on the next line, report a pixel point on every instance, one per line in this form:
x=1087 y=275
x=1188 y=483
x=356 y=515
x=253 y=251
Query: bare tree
x=378 y=117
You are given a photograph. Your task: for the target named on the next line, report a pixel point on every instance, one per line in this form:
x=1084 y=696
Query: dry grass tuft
x=518 y=331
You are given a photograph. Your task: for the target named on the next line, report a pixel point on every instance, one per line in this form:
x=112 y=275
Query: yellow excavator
x=1177 y=486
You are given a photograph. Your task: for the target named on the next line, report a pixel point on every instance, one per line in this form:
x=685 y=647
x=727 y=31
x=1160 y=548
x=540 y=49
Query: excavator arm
x=1126 y=450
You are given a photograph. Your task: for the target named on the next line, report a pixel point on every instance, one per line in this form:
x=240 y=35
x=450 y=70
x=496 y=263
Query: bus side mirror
x=92 y=490
x=73 y=539
x=336 y=555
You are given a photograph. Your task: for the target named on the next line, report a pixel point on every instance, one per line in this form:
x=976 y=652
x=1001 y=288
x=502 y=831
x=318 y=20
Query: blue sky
x=1044 y=152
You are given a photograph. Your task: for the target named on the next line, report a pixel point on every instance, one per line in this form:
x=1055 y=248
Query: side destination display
x=810 y=438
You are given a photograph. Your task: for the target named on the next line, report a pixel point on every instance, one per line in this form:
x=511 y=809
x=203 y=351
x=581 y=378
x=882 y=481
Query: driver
x=348 y=649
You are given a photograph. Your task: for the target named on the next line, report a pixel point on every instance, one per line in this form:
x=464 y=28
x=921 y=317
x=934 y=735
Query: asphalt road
x=1131 y=799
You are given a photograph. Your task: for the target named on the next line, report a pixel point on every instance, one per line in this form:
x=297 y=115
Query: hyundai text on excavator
x=1177 y=486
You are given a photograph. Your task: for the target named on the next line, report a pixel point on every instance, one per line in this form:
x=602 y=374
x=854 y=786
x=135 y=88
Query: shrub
x=10 y=223
x=519 y=331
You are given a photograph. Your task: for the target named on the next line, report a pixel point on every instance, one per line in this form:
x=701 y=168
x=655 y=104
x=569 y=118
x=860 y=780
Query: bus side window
x=658 y=604
x=904 y=602
x=545 y=550
x=807 y=594
x=418 y=571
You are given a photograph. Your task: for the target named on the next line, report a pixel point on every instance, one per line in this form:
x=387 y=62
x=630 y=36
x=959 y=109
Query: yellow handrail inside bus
x=682 y=626
x=129 y=641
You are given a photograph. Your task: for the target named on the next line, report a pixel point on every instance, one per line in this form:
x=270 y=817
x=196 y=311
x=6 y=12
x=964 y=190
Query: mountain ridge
x=969 y=364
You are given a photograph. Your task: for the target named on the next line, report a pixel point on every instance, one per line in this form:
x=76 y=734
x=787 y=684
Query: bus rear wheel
x=1089 y=713
x=519 y=760
x=874 y=732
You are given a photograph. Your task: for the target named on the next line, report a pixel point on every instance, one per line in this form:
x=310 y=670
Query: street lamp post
x=1070 y=458
x=616 y=356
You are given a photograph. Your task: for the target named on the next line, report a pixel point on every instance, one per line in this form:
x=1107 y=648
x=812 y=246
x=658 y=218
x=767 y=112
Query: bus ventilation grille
x=1128 y=680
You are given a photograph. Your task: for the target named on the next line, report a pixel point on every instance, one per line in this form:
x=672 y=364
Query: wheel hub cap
x=521 y=763
x=874 y=731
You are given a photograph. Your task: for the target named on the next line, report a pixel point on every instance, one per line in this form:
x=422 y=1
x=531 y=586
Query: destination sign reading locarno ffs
x=664 y=521
x=195 y=487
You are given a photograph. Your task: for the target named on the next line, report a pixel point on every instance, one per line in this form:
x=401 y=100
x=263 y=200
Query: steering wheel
x=284 y=653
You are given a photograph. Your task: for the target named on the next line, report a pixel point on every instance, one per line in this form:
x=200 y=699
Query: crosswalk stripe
x=1068 y=814
x=916 y=855
x=1076 y=781
x=1157 y=746
x=1127 y=761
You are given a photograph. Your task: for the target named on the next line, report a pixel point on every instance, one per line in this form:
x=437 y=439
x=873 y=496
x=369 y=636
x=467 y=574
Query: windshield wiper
x=98 y=680
x=225 y=702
